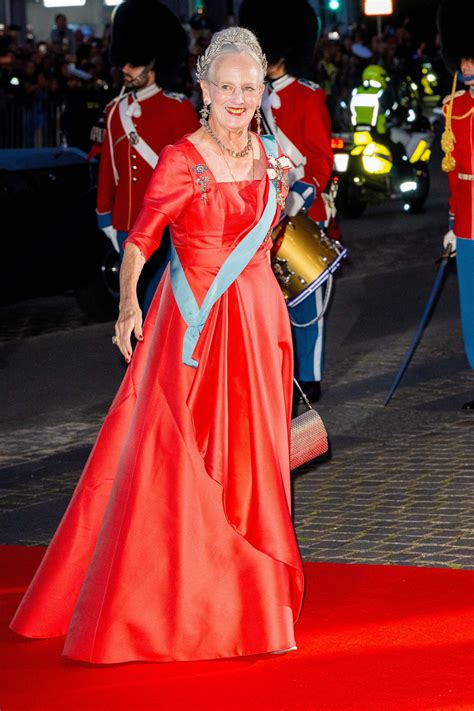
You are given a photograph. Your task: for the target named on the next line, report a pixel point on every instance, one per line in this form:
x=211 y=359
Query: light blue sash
x=233 y=266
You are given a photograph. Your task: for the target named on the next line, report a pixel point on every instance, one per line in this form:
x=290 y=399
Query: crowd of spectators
x=41 y=80
x=61 y=85
x=341 y=56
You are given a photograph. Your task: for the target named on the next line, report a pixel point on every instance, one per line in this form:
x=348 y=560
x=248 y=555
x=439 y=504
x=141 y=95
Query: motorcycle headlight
x=376 y=159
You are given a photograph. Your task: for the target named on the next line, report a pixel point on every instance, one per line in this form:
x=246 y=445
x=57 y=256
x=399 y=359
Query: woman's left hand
x=130 y=321
x=130 y=318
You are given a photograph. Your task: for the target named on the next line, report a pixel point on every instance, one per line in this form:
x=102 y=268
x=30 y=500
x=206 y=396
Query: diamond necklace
x=234 y=154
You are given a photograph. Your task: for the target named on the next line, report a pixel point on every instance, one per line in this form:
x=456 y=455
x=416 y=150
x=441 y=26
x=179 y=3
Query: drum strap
x=319 y=316
x=195 y=316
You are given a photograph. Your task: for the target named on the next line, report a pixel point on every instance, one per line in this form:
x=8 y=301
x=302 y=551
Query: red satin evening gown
x=178 y=542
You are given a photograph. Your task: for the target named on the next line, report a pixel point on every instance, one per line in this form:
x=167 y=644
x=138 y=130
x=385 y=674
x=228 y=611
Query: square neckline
x=229 y=182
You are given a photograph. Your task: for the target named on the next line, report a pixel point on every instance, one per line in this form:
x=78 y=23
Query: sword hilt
x=447 y=254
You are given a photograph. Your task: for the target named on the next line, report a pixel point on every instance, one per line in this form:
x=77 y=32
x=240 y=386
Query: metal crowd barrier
x=32 y=124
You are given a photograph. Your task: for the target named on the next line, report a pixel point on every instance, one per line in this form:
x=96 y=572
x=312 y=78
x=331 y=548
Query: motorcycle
x=372 y=169
x=385 y=154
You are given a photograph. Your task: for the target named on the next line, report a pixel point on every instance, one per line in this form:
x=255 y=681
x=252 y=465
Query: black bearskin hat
x=146 y=32
x=456 y=28
x=290 y=36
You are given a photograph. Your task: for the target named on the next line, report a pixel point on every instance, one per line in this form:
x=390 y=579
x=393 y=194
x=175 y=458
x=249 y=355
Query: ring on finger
x=115 y=340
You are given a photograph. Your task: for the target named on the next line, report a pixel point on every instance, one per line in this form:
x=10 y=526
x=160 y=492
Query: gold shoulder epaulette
x=453 y=96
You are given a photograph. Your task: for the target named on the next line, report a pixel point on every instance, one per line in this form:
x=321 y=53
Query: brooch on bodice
x=278 y=174
x=202 y=180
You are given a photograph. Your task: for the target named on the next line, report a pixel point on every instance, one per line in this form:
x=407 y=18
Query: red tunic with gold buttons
x=461 y=179
x=303 y=116
x=164 y=118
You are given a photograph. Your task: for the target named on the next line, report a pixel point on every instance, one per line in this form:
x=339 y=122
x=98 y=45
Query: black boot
x=468 y=405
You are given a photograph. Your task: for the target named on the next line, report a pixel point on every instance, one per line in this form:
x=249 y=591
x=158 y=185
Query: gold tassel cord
x=463 y=116
x=448 y=139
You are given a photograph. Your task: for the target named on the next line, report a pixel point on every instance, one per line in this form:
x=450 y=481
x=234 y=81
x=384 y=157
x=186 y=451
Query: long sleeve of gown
x=170 y=190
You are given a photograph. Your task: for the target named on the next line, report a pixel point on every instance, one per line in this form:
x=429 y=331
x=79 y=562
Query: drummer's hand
x=293 y=204
x=450 y=239
x=130 y=320
x=302 y=195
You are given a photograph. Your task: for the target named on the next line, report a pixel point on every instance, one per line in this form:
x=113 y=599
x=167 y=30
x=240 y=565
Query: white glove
x=450 y=238
x=111 y=233
x=294 y=203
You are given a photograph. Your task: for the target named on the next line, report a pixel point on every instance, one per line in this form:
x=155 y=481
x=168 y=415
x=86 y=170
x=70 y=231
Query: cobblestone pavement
x=399 y=486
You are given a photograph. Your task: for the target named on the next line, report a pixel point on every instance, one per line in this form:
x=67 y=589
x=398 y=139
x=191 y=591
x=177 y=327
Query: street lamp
x=379 y=8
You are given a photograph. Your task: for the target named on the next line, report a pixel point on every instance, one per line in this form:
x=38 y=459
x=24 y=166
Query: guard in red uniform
x=294 y=110
x=149 y=45
x=456 y=28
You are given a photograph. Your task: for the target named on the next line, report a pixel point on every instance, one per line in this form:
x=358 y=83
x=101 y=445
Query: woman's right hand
x=130 y=320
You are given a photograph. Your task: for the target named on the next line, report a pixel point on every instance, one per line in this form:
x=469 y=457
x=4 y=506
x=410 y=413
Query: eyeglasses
x=227 y=90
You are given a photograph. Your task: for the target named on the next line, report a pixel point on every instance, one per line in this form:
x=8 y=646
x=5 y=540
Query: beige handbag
x=309 y=438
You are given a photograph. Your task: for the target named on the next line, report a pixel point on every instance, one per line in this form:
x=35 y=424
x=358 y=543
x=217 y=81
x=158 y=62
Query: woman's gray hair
x=234 y=40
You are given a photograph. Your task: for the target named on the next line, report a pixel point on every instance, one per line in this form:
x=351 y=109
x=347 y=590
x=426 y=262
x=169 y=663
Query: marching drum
x=303 y=257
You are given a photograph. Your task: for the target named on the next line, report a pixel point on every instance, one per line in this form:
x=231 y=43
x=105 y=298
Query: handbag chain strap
x=302 y=394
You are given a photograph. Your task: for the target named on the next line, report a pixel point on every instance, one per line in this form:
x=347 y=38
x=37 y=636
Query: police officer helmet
x=375 y=76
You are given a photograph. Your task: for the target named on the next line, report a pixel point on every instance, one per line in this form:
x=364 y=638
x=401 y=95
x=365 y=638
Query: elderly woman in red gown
x=178 y=542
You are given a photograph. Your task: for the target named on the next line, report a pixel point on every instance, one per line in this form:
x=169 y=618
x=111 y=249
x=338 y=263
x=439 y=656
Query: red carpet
x=371 y=638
